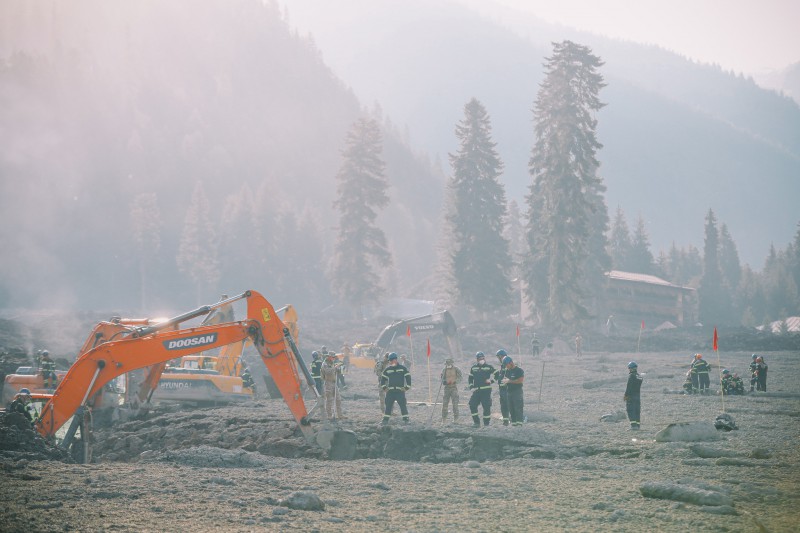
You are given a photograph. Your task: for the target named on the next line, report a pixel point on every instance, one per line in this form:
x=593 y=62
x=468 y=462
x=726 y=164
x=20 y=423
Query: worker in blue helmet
x=22 y=404
x=480 y=383
x=513 y=378
x=632 y=396
x=502 y=388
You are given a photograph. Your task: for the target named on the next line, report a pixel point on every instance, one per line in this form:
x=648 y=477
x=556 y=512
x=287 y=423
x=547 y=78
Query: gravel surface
x=247 y=468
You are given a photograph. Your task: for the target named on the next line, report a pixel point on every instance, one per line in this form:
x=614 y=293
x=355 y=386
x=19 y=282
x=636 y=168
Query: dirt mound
x=19 y=441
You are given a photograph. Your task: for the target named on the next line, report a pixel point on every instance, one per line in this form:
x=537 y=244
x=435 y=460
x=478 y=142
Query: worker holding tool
x=329 y=373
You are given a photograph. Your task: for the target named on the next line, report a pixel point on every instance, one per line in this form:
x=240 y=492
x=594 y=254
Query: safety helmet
x=449 y=361
x=754 y=356
x=507 y=360
x=725 y=371
x=315 y=354
x=25 y=391
x=45 y=352
x=331 y=355
x=698 y=356
x=480 y=355
x=392 y=356
x=633 y=364
x=501 y=353
x=324 y=349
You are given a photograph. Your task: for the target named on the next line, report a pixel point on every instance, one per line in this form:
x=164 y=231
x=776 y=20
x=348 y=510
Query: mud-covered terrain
x=247 y=467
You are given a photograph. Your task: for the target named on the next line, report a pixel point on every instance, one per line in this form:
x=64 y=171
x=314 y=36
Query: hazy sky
x=748 y=36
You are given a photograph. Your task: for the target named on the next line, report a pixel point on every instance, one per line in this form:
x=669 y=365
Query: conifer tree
x=714 y=298
x=620 y=242
x=481 y=258
x=568 y=217
x=641 y=259
x=197 y=251
x=360 y=251
x=146 y=228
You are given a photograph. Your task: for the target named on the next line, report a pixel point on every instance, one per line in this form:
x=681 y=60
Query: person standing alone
x=632 y=396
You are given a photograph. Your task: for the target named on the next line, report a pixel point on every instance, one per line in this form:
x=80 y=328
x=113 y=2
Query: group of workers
x=328 y=371
x=698 y=379
x=394 y=379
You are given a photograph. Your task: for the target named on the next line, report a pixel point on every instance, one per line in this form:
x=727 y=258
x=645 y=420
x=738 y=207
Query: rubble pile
x=18 y=440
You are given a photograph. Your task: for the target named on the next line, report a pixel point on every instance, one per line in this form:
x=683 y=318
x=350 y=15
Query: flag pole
x=719 y=368
x=519 y=348
x=638 y=343
x=411 y=343
x=429 y=380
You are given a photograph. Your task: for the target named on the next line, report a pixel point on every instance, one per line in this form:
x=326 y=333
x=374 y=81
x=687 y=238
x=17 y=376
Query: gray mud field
x=247 y=468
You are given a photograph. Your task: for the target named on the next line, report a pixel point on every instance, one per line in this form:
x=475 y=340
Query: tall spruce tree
x=714 y=299
x=641 y=258
x=360 y=251
x=146 y=229
x=481 y=258
x=620 y=242
x=568 y=216
x=198 y=248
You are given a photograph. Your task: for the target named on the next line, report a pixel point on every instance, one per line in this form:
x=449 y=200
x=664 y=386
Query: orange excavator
x=123 y=345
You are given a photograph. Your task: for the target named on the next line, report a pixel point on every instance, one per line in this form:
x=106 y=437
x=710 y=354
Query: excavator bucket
x=341 y=445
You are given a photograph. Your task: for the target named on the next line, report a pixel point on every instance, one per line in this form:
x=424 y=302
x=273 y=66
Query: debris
x=687 y=432
x=668 y=491
x=304 y=501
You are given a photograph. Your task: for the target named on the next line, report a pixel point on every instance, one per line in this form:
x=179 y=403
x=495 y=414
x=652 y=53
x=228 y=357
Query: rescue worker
x=340 y=376
x=501 y=385
x=578 y=345
x=380 y=366
x=688 y=386
x=761 y=374
x=480 y=383
x=725 y=382
x=701 y=368
x=405 y=362
x=247 y=379
x=535 y=345
x=450 y=378
x=316 y=366
x=347 y=353
x=22 y=404
x=395 y=380
x=514 y=376
x=48 y=371
x=329 y=373
x=753 y=372
x=737 y=384
x=632 y=398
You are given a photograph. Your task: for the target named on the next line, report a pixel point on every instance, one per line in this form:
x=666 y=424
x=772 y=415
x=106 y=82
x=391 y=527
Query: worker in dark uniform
x=737 y=384
x=725 y=382
x=247 y=379
x=761 y=374
x=702 y=369
x=22 y=404
x=632 y=398
x=48 y=371
x=480 y=383
x=501 y=385
x=514 y=376
x=395 y=380
x=753 y=372
x=316 y=365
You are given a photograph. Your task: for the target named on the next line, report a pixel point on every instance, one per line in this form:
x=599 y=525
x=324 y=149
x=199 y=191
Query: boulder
x=687 y=432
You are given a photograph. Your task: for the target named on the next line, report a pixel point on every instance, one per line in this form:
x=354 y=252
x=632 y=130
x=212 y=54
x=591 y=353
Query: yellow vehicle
x=215 y=378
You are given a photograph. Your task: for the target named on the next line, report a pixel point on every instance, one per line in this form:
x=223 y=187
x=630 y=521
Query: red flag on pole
x=642 y=324
x=517 y=330
x=429 y=348
x=715 y=339
x=408 y=331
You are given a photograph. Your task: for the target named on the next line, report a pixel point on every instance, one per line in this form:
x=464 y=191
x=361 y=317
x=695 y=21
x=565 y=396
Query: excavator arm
x=132 y=347
x=441 y=321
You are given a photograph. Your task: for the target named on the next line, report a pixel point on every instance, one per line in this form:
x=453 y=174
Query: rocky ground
x=246 y=468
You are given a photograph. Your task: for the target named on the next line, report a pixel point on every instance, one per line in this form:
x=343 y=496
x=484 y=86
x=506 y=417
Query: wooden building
x=632 y=298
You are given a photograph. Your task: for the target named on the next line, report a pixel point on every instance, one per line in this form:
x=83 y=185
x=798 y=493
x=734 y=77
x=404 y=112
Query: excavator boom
x=151 y=345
